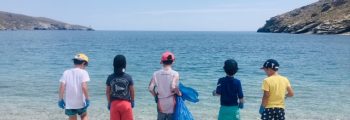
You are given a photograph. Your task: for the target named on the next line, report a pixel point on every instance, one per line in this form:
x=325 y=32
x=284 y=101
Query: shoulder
x=78 y=70
x=111 y=76
x=127 y=76
x=282 y=78
x=237 y=80
x=66 y=71
x=221 y=79
x=157 y=72
x=285 y=79
x=175 y=72
x=69 y=70
x=84 y=71
x=267 y=79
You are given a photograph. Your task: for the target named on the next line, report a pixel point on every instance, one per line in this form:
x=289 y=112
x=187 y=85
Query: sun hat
x=81 y=57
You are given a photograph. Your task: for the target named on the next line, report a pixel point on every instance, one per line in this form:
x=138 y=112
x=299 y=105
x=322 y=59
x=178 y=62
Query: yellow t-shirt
x=277 y=86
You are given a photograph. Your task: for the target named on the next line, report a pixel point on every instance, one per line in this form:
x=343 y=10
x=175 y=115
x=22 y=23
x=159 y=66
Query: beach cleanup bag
x=181 y=111
x=188 y=93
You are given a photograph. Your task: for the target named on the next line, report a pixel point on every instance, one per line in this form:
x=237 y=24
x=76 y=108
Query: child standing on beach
x=274 y=87
x=164 y=85
x=120 y=91
x=230 y=91
x=73 y=90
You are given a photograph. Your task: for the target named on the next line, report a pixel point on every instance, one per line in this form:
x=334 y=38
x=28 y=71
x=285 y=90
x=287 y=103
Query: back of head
x=167 y=58
x=230 y=67
x=119 y=64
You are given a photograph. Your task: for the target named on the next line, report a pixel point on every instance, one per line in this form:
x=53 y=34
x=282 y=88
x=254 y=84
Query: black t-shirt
x=119 y=86
x=230 y=89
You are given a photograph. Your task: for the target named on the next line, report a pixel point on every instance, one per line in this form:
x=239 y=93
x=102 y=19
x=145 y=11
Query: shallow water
x=31 y=63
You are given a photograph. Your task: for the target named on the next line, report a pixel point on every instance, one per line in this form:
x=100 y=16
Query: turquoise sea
x=31 y=63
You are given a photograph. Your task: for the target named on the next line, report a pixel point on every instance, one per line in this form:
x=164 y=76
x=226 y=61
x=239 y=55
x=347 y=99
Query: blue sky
x=175 y=15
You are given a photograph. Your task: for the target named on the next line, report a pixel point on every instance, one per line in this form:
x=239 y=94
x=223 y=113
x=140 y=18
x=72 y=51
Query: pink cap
x=168 y=56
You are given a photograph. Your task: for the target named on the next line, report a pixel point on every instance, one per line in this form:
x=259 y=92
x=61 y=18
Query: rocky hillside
x=11 y=21
x=322 y=17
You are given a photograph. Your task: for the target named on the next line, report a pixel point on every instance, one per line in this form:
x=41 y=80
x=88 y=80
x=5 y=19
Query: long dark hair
x=119 y=64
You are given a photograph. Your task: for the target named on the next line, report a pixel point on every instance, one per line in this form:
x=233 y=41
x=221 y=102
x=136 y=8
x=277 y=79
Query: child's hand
x=132 y=104
x=61 y=104
x=156 y=99
x=87 y=103
x=109 y=106
x=177 y=91
x=241 y=105
x=262 y=109
x=286 y=96
x=214 y=93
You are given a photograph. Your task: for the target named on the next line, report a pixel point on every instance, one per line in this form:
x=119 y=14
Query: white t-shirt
x=73 y=79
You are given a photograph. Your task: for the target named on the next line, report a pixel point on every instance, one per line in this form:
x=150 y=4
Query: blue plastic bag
x=188 y=93
x=181 y=111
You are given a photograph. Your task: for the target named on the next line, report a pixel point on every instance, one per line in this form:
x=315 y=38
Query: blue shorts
x=72 y=112
x=273 y=114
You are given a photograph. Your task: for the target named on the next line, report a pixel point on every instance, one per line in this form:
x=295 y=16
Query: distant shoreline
x=322 y=17
x=13 y=21
x=346 y=34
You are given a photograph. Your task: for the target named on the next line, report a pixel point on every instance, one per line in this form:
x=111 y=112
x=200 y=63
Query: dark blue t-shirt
x=119 y=86
x=230 y=90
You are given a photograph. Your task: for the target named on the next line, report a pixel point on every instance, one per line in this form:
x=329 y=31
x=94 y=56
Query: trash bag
x=188 y=93
x=181 y=111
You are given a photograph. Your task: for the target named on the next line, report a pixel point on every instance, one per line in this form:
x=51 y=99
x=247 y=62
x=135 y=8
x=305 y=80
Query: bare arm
x=265 y=98
x=290 y=91
x=215 y=94
x=108 y=93
x=85 y=90
x=151 y=87
x=132 y=92
x=61 y=90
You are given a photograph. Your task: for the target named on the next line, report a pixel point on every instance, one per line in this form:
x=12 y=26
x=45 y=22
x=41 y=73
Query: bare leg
x=73 y=117
x=84 y=116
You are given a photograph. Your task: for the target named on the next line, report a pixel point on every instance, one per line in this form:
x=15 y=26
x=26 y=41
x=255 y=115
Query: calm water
x=31 y=62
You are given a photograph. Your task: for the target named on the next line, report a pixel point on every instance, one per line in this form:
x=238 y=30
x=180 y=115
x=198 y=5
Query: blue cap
x=271 y=63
